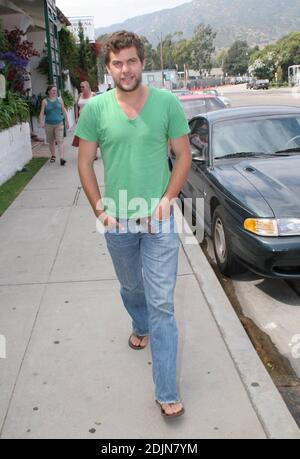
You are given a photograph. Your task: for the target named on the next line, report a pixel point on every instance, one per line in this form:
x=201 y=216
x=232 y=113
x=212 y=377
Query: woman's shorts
x=54 y=132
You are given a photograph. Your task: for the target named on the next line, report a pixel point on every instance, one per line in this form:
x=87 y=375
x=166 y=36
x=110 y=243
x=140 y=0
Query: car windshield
x=263 y=135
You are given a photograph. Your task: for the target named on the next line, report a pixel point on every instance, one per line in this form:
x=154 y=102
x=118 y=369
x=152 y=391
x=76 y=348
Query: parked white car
x=216 y=93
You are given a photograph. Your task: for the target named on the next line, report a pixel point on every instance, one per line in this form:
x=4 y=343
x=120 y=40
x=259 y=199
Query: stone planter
x=15 y=150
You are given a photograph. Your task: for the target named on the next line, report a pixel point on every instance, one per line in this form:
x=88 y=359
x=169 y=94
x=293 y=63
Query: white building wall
x=10 y=21
x=15 y=150
x=38 y=82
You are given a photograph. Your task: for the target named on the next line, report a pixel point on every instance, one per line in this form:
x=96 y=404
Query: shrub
x=16 y=59
x=34 y=104
x=13 y=110
x=68 y=100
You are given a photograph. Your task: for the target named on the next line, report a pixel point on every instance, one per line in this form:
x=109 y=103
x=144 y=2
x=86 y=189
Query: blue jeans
x=146 y=266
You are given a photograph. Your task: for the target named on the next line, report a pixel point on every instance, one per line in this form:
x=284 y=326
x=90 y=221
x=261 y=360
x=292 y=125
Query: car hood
x=277 y=180
x=235 y=187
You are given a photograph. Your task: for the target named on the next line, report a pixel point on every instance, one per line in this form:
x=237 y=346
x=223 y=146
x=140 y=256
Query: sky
x=108 y=12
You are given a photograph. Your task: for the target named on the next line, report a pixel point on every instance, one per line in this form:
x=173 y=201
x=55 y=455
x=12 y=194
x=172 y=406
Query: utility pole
x=162 y=60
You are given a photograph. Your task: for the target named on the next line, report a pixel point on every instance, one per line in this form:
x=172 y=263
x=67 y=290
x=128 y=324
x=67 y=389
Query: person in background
x=85 y=95
x=52 y=116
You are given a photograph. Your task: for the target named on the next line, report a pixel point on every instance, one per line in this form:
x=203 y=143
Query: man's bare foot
x=171 y=410
x=138 y=342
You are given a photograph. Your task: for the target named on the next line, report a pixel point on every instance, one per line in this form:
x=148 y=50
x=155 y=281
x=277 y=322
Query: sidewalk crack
x=77 y=195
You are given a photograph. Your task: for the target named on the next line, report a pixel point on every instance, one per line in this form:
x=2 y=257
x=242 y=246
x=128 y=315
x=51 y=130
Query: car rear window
x=193 y=107
x=214 y=104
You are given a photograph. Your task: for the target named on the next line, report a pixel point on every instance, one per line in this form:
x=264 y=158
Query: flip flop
x=136 y=348
x=174 y=415
x=52 y=159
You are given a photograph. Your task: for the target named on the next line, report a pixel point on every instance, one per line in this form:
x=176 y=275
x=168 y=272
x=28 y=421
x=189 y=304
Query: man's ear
x=107 y=68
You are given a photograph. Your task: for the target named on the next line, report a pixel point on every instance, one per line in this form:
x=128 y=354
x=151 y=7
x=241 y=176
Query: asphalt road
x=240 y=96
x=273 y=305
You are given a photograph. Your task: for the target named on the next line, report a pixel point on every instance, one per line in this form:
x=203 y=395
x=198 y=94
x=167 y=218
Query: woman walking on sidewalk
x=85 y=95
x=83 y=98
x=52 y=115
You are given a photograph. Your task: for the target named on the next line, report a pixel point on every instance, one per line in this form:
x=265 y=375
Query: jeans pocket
x=117 y=229
x=171 y=216
x=163 y=226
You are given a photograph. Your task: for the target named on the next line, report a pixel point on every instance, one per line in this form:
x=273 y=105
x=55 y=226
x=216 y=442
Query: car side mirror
x=197 y=155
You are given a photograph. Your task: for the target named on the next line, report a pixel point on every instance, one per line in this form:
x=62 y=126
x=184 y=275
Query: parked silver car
x=200 y=103
x=220 y=96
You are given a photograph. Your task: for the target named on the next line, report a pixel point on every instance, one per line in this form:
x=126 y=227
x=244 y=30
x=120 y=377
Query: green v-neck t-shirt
x=134 y=151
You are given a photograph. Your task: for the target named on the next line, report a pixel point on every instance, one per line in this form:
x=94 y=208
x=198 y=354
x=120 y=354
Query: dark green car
x=246 y=168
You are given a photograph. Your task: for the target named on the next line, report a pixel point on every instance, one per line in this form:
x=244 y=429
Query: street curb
x=270 y=408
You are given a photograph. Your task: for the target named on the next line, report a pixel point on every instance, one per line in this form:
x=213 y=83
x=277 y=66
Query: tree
x=237 y=59
x=202 y=47
x=182 y=54
x=101 y=64
x=82 y=60
x=168 y=46
x=69 y=54
x=262 y=70
x=87 y=60
x=152 y=59
x=263 y=63
x=276 y=58
x=219 y=58
x=84 y=54
x=288 y=52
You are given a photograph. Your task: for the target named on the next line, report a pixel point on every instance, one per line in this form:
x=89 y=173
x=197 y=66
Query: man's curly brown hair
x=121 y=40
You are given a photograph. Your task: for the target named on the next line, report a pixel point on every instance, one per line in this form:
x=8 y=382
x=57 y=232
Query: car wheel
x=225 y=258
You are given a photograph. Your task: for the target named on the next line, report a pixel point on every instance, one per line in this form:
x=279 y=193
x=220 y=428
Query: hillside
x=259 y=22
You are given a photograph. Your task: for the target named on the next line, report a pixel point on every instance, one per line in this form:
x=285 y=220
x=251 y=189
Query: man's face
x=126 y=69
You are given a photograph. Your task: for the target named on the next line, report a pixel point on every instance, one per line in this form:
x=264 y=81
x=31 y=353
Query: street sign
x=87 y=24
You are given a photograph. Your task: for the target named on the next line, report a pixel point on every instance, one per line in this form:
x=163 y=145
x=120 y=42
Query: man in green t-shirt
x=133 y=125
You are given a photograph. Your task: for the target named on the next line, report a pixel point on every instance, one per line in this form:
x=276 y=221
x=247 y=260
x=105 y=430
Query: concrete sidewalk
x=69 y=372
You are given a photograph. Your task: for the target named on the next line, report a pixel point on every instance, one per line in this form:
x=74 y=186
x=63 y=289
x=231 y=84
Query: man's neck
x=132 y=96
